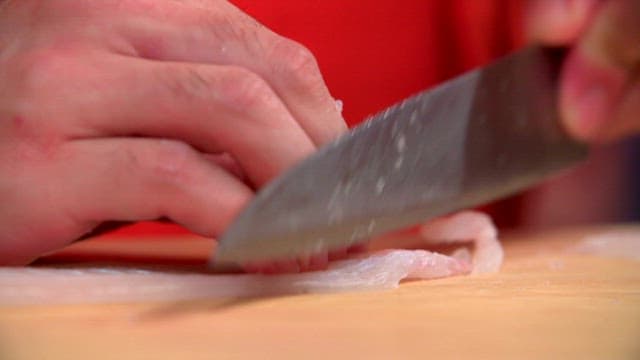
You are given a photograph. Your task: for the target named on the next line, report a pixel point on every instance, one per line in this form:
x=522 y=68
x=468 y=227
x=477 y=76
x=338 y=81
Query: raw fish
x=619 y=243
x=373 y=271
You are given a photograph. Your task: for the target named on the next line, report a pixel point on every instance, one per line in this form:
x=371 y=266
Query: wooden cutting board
x=547 y=303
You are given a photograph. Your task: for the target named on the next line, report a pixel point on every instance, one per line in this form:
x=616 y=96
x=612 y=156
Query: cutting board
x=548 y=302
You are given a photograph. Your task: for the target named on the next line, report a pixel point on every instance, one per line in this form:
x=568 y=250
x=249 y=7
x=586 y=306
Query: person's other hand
x=600 y=84
x=113 y=109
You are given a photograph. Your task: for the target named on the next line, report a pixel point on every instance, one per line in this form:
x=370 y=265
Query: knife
x=477 y=138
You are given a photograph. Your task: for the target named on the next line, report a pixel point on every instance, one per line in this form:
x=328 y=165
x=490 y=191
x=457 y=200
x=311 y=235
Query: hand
x=600 y=84
x=113 y=109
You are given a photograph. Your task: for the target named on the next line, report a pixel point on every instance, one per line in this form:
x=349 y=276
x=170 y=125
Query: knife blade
x=477 y=138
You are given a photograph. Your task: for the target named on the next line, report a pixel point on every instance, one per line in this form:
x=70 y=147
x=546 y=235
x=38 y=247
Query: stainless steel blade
x=477 y=138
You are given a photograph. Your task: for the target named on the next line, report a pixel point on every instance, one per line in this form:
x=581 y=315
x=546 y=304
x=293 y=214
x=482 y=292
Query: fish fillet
x=380 y=270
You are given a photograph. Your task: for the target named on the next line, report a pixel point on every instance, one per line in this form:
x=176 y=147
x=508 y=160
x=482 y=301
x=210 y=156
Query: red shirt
x=374 y=53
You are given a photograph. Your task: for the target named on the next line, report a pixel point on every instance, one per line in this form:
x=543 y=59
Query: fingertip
x=589 y=92
x=558 y=22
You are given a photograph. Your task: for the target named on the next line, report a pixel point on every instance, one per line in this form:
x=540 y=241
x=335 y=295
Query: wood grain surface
x=548 y=302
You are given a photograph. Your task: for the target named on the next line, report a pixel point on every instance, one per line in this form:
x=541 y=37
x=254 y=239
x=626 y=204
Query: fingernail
x=589 y=93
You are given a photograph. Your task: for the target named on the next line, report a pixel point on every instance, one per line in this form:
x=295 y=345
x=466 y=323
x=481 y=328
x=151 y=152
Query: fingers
x=142 y=179
x=614 y=36
x=558 y=22
x=209 y=77
x=214 y=108
x=590 y=92
x=218 y=33
x=229 y=164
x=600 y=85
x=235 y=86
x=86 y=182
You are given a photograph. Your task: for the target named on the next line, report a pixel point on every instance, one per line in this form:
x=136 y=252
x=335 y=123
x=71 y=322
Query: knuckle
x=296 y=62
x=227 y=24
x=165 y=161
x=243 y=89
x=225 y=27
x=189 y=83
x=40 y=71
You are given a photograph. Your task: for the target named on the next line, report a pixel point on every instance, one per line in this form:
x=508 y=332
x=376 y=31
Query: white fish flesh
x=470 y=226
x=623 y=243
x=380 y=270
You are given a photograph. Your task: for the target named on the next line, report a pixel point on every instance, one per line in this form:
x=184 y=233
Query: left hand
x=120 y=110
x=600 y=81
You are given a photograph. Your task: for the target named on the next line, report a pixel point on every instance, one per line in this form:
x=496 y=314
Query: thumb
x=558 y=22
x=600 y=91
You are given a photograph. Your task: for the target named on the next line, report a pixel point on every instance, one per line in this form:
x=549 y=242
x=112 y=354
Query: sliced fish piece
x=374 y=271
